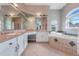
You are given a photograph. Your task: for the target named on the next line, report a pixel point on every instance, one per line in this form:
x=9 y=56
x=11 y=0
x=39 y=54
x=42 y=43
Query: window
x=72 y=18
x=74 y=22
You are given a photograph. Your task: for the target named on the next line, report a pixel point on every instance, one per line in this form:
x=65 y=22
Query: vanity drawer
x=68 y=48
x=63 y=45
x=51 y=41
x=54 y=42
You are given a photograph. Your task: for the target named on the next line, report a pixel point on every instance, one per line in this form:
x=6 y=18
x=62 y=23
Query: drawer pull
x=72 y=43
x=55 y=40
x=10 y=43
x=16 y=49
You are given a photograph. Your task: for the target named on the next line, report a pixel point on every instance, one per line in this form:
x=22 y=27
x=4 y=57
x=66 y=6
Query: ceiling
x=57 y=5
x=51 y=5
x=31 y=8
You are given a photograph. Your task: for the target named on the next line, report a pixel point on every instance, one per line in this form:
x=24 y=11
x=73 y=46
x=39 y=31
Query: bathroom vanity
x=65 y=43
x=13 y=44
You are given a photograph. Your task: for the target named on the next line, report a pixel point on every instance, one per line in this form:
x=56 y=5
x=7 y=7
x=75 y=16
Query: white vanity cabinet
x=8 y=48
x=14 y=46
x=25 y=40
x=42 y=37
x=20 y=44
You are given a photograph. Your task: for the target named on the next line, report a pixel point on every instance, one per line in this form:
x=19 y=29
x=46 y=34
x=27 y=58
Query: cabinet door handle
x=10 y=43
x=56 y=40
x=16 y=49
x=17 y=46
x=72 y=43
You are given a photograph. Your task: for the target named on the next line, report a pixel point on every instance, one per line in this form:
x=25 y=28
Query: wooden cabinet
x=78 y=47
x=52 y=42
x=64 y=45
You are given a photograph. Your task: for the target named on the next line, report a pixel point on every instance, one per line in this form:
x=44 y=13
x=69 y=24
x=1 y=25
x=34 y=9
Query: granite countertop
x=5 y=37
x=61 y=35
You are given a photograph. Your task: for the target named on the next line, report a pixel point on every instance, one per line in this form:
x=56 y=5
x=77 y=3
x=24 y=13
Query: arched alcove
x=73 y=12
x=72 y=18
x=72 y=21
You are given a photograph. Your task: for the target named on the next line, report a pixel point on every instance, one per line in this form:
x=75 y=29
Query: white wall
x=2 y=22
x=60 y=15
x=54 y=15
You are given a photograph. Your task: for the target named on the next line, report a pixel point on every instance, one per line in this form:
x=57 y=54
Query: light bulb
x=11 y=14
x=16 y=5
x=38 y=14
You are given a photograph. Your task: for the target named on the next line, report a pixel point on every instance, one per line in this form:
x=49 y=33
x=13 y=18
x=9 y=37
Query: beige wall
x=31 y=23
x=7 y=9
x=2 y=24
x=33 y=9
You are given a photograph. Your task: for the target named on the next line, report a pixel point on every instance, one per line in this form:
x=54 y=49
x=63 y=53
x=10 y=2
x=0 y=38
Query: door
x=16 y=23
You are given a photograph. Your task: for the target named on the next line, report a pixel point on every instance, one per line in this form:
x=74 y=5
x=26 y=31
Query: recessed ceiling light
x=15 y=4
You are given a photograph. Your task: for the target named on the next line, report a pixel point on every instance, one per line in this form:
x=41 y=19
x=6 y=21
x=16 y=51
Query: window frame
x=69 y=15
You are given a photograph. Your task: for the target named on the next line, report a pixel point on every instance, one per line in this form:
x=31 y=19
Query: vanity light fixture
x=38 y=14
x=11 y=14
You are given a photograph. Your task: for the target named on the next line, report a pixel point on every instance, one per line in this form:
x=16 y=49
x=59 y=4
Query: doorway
x=16 y=23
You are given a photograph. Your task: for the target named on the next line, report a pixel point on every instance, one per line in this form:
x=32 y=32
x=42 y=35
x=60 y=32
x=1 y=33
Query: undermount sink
x=56 y=33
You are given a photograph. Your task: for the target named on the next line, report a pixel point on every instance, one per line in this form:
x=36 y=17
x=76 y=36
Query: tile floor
x=41 y=49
